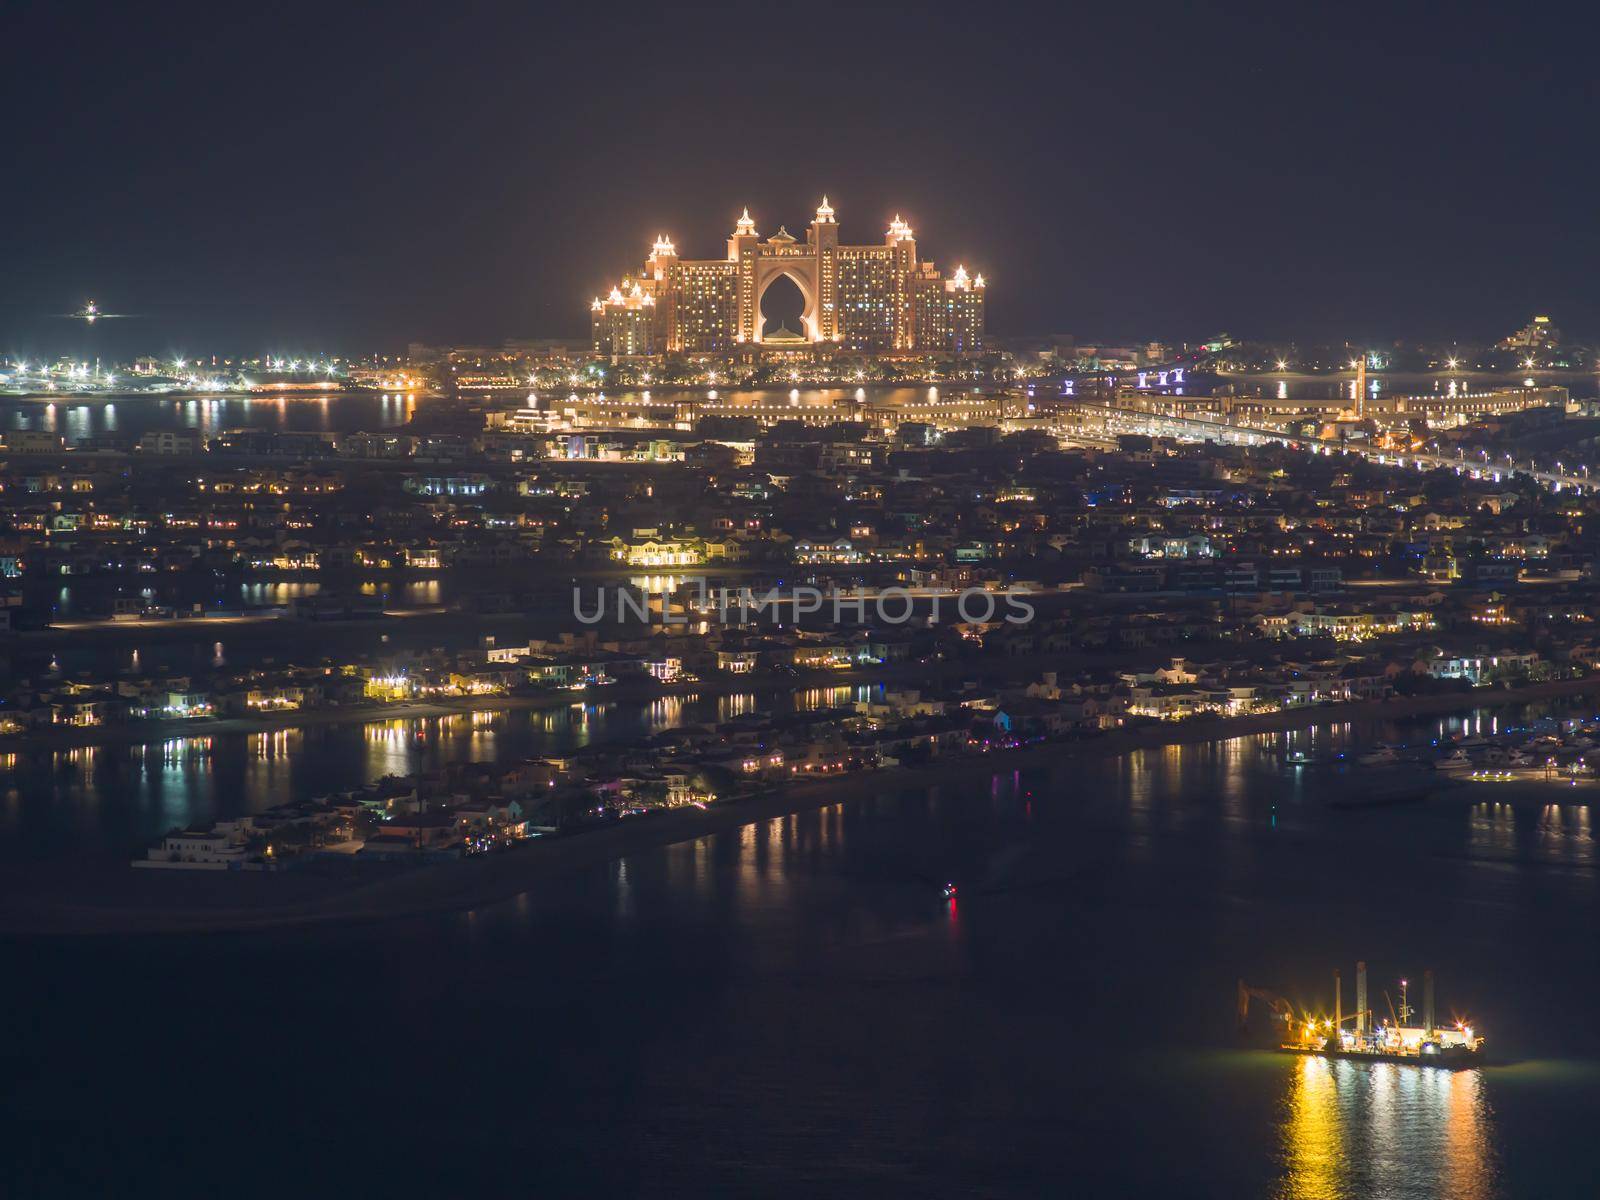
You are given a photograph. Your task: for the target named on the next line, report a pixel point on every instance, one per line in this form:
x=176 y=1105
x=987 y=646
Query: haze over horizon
x=479 y=176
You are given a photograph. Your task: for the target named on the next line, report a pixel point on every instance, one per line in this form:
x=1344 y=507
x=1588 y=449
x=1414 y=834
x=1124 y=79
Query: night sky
x=348 y=178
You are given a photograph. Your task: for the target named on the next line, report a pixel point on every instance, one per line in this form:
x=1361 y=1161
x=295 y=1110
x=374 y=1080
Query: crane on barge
x=1279 y=1006
x=1427 y=1044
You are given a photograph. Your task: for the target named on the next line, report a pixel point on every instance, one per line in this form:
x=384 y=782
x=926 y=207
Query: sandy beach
x=124 y=901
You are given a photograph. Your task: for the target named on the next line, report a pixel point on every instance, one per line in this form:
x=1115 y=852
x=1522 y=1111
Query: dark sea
x=793 y=1009
x=76 y=417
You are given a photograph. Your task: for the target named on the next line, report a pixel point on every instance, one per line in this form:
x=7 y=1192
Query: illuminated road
x=1129 y=420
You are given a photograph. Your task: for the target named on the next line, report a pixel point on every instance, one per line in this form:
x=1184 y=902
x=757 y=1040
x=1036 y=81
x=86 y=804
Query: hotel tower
x=877 y=299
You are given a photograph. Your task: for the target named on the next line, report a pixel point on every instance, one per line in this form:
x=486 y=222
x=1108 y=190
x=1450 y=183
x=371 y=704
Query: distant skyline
x=318 y=180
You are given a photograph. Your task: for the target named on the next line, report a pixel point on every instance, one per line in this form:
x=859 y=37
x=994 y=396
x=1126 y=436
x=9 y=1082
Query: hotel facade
x=872 y=299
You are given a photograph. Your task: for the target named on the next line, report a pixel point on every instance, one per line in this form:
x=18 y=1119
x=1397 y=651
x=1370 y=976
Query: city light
x=717 y=306
x=529 y=701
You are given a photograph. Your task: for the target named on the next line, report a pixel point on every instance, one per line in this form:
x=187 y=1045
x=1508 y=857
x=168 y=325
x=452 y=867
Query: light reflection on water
x=735 y=705
x=92 y=797
x=772 y=895
x=133 y=415
x=1105 y=895
x=1563 y=833
x=1492 y=826
x=667 y=712
x=1223 y=791
x=1354 y=1130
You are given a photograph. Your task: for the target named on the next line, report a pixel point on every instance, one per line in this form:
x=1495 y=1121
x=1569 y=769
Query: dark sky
x=350 y=177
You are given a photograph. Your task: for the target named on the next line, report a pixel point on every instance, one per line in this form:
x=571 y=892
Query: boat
x=1458 y=760
x=1356 y=1036
x=949 y=891
x=1383 y=756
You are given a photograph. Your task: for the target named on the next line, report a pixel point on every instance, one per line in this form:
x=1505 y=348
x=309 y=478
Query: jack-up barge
x=1356 y=1036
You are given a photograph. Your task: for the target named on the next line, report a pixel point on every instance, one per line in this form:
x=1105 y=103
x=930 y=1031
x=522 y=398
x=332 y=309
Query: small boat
x=1383 y=756
x=949 y=891
x=1459 y=760
x=1298 y=758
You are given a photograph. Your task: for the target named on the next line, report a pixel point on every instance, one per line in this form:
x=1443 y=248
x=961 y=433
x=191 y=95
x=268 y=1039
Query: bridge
x=1129 y=420
x=1296 y=393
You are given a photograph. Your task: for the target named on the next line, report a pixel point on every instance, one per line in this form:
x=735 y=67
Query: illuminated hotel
x=878 y=299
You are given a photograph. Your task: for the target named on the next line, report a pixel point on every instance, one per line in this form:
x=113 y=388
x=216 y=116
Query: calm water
x=109 y=802
x=92 y=597
x=129 y=417
x=790 y=1008
x=75 y=418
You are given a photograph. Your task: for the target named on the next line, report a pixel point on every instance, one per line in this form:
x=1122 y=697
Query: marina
x=1559 y=751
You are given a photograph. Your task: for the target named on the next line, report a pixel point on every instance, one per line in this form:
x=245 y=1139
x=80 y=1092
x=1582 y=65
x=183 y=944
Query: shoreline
x=142 y=733
x=166 y=729
x=206 y=902
x=633 y=691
